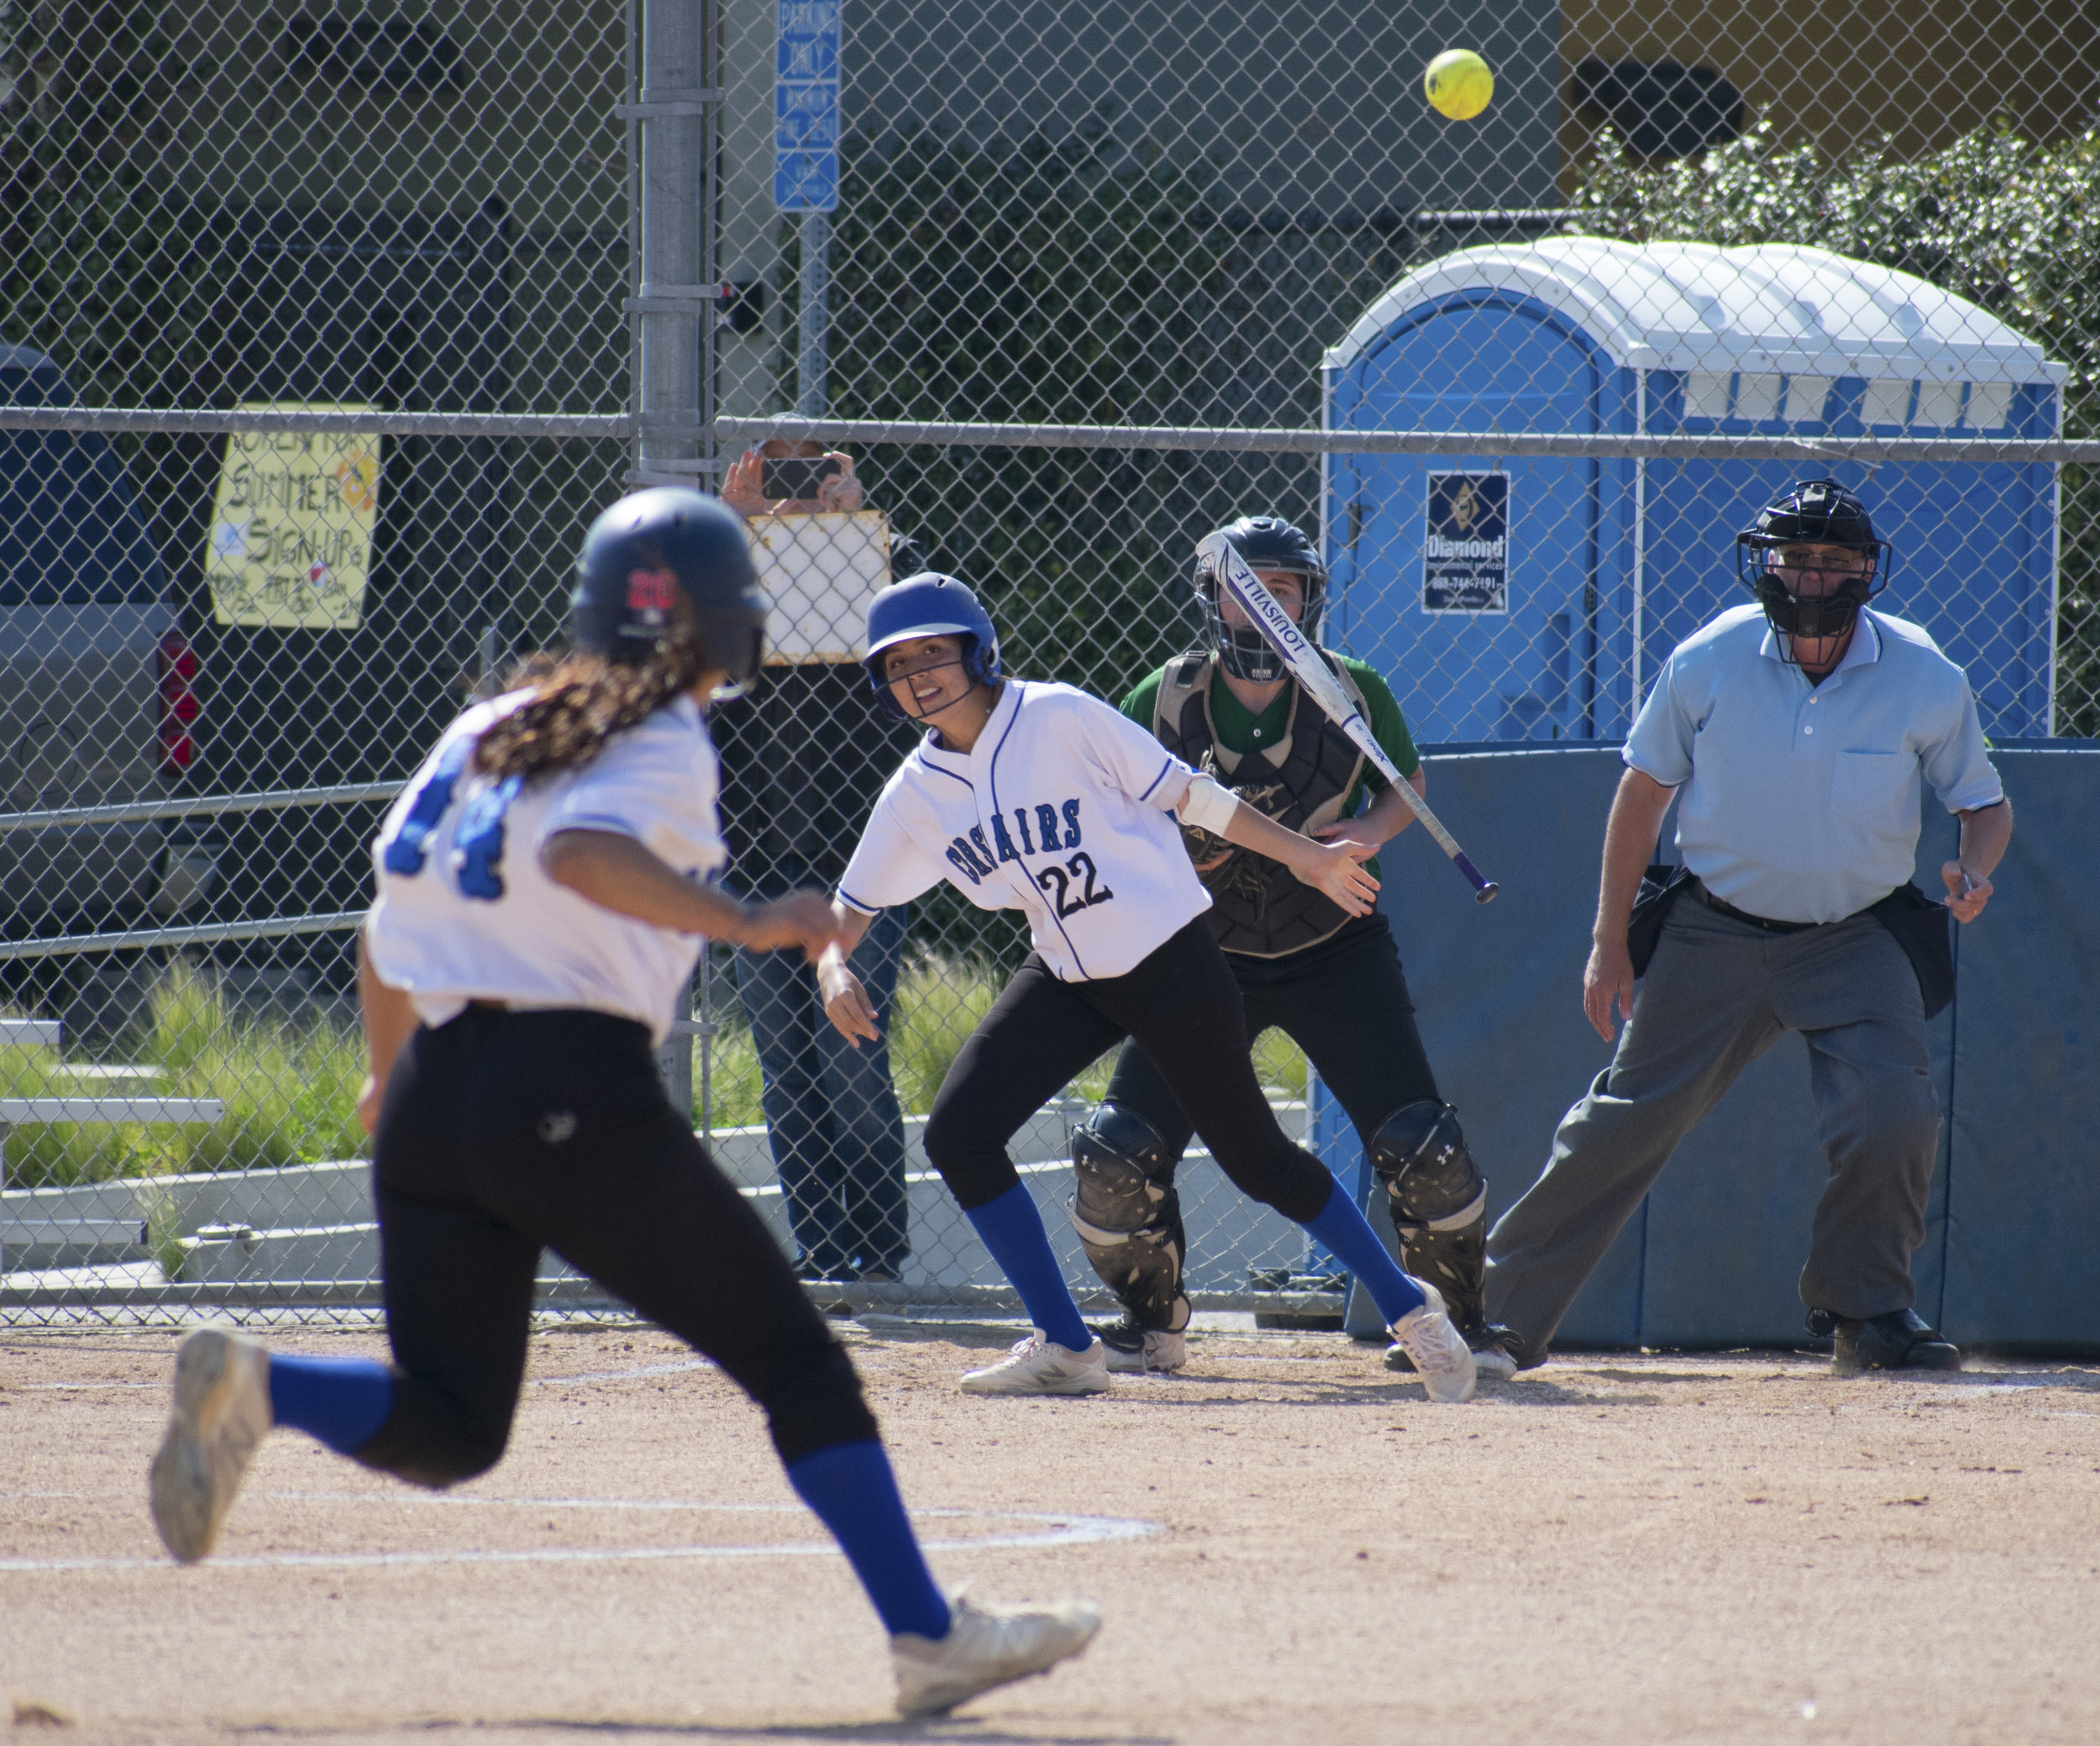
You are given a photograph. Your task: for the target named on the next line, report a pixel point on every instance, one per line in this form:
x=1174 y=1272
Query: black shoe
x=826 y=1273
x=1900 y=1340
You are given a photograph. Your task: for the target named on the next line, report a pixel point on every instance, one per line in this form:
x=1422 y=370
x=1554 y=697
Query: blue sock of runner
x=1356 y=1245
x=1012 y=1230
x=342 y=1401
x=854 y=1493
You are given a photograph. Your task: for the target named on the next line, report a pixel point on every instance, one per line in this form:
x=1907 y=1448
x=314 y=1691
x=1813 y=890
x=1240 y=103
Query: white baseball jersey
x=465 y=912
x=1062 y=810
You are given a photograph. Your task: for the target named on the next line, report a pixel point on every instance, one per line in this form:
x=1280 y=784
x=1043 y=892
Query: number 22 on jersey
x=1072 y=887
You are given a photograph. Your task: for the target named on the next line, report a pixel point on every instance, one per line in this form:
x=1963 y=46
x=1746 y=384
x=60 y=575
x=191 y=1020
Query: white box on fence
x=821 y=570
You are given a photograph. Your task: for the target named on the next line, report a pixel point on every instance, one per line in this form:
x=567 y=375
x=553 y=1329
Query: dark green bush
x=2008 y=223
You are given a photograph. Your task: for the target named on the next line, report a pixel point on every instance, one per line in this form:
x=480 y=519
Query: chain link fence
x=324 y=331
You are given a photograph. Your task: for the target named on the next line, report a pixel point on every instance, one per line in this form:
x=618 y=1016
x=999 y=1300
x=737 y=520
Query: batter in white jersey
x=1059 y=810
x=543 y=890
x=1040 y=798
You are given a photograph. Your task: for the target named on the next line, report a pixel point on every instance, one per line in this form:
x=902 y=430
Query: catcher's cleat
x=1132 y=1350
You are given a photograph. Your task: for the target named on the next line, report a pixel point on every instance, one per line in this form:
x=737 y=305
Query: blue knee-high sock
x=342 y=1401
x=854 y=1493
x=1356 y=1245
x=1012 y=1230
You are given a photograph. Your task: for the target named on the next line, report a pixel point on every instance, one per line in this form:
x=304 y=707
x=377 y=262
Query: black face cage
x=1243 y=651
x=1790 y=615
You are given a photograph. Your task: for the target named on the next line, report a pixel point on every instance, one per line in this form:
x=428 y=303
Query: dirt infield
x=1289 y=1545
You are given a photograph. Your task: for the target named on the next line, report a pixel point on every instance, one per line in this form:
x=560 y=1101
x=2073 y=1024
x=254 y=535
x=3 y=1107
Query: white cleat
x=1040 y=1366
x=1438 y=1350
x=987 y=1646
x=1133 y=1351
x=222 y=1413
x=1494 y=1362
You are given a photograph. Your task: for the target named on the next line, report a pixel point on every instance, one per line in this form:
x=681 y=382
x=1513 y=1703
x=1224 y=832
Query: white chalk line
x=641 y=1370
x=1056 y=1529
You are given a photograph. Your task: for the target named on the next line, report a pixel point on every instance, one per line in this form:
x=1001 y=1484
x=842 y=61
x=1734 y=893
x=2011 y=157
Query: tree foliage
x=2010 y=224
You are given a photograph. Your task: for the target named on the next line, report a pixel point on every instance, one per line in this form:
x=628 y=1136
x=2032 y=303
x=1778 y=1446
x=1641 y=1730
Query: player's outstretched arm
x=618 y=873
x=1337 y=870
x=846 y=1002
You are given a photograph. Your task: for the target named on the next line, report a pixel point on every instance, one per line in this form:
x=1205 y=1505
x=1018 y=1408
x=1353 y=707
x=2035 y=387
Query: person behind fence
x=1331 y=980
x=544 y=888
x=1795 y=732
x=1038 y=797
x=804 y=759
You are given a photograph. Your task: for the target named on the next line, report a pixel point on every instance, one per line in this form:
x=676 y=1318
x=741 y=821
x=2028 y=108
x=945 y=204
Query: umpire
x=1798 y=734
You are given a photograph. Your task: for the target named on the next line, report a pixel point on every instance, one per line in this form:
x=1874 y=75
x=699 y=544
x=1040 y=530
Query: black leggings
x=1343 y=1001
x=503 y=1133
x=1181 y=1006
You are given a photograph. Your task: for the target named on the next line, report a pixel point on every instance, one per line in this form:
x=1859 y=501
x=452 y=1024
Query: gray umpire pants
x=1718 y=994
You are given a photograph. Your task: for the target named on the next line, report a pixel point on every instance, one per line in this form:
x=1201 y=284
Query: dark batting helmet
x=929 y=605
x=1267 y=542
x=1814 y=512
x=650 y=551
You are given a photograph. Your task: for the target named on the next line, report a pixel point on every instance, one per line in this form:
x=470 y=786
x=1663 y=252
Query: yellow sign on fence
x=292 y=528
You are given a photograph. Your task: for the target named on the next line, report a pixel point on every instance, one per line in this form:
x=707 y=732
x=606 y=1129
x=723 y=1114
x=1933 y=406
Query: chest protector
x=1259 y=906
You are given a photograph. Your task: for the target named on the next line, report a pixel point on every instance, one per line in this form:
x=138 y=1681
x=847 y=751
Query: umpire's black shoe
x=1900 y=1340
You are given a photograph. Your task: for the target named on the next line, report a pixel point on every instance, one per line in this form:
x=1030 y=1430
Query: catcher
x=1331 y=983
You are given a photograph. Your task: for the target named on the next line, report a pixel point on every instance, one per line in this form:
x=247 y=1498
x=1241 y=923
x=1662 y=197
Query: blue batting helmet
x=642 y=555
x=929 y=605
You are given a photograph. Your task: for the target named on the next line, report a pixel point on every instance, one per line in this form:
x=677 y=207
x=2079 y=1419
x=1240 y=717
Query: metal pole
x=813 y=373
x=675 y=63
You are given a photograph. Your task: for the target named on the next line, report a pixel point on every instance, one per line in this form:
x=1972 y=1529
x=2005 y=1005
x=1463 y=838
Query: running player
x=544 y=887
x=1326 y=976
x=1038 y=797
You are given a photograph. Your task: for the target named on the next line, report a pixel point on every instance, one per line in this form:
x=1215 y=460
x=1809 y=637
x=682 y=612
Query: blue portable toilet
x=1528 y=599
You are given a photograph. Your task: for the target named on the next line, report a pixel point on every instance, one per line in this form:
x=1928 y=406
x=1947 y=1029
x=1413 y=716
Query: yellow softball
x=1458 y=84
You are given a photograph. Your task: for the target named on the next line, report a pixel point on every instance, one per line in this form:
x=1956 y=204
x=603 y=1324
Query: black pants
x=503 y=1133
x=1182 y=1008
x=1344 y=1001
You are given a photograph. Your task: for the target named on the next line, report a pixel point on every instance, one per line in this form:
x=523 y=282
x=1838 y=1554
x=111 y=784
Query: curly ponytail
x=584 y=700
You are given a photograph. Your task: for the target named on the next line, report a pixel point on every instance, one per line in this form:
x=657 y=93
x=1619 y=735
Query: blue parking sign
x=805 y=125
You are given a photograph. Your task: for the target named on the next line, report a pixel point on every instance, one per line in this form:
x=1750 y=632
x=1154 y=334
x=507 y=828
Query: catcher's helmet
x=1814 y=512
x=1266 y=542
x=648 y=551
x=929 y=605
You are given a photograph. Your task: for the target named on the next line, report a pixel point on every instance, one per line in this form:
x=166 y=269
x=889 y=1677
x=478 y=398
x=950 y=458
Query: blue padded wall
x=2023 y=1218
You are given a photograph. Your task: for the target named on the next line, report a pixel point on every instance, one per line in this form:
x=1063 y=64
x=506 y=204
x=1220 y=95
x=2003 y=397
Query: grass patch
x=940 y=1002
x=289 y=1085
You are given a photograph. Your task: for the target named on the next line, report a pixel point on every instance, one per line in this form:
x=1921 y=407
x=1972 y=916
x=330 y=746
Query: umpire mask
x=1813 y=561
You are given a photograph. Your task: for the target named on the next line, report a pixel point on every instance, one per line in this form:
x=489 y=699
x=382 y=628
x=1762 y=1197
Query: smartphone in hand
x=797 y=476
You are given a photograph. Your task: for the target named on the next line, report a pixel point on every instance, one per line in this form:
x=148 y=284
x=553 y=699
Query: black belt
x=1730 y=910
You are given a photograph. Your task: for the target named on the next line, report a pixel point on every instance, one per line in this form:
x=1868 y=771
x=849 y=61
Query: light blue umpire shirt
x=1800 y=801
